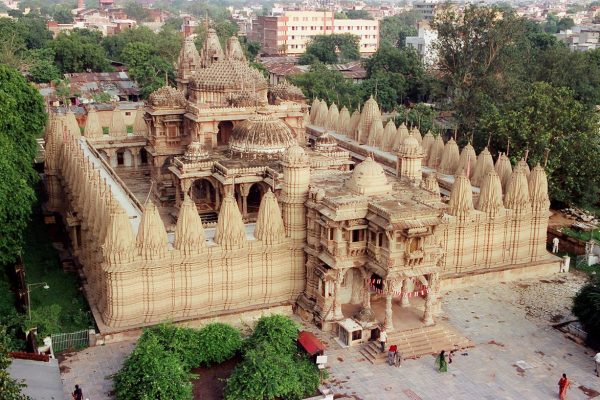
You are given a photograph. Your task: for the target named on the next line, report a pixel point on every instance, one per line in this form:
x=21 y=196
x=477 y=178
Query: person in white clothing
x=382 y=339
x=555 y=242
x=597 y=361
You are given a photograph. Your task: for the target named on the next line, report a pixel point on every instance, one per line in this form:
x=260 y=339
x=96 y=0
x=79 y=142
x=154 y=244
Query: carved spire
x=353 y=125
x=427 y=144
x=230 y=232
x=233 y=50
x=152 y=236
x=435 y=155
x=417 y=134
x=450 y=157
x=430 y=183
x=504 y=170
x=343 y=124
x=92 y=125
x=314 y=108
x=517 y=192
x=306 y=119
x=72 y=124
x=369 y=115
x=538 y=189
x=389 y=136
x=139 y=125
x=490 y=197
x=119 y=243
x=482 y=167
x=321 y=116
x=523 y=164
x=117 y=126
x=333 y=114
x=189 y=233
x=375 y=134
x=461 y=197
x=468 y=158
x=189 y=59
x=269 y=225
x=211 y=49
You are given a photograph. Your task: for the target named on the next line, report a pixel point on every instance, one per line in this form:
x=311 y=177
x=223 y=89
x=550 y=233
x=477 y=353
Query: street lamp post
x=29 y=286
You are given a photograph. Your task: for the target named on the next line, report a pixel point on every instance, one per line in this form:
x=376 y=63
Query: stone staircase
x=415 y=343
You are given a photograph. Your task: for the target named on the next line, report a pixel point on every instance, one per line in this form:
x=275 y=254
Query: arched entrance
x=351 y=288
x=225 y=128
x=124 y=158
x=204 y=195
x=255 y=195
x=143 y=156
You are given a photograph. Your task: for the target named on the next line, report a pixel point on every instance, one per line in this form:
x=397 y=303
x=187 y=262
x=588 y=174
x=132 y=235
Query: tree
x=80 y=51
x=217 y=343
x=150 y=372
x=421 y=116
x=277 y=330
x=10 y=389
x=331 y=49
x=586 y=307
x=136 y=11
x=544 y=117
x=358 y=14
x=395 y=29
x=62 y=14
x=41 y=66
x=149 y=69
x=23 y=119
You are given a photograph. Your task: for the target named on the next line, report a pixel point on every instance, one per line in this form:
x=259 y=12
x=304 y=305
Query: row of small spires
x=367 y=128
x=106 y=222
x=93 y=129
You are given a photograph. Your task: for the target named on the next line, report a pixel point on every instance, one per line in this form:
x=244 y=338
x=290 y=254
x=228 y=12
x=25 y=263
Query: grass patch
x=129 y=129
x=105 y=130
x=581 y=235
x=42 y=265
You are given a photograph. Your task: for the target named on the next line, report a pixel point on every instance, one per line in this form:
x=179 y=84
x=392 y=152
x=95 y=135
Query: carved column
x=135 y=152
x=432 y=297
x=389 y=316
x=404 y=302
x=337 y=305
x=244 y=191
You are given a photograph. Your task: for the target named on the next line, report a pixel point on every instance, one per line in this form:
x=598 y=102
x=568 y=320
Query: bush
x=151 y=372
x=181 y=342
x=278 y=330
x=586 y=307
x=218 y=343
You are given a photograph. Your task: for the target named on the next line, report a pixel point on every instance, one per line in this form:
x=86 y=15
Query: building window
x=358 y=235
x=330 y=233
x=128 y=113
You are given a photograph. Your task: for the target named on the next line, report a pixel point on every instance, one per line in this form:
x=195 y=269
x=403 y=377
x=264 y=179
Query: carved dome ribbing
x=167 y=97
x=325 y=143
x=195 y=152
x=229 y=75
x=261 y=135
x=368 y=178
x=286 y=91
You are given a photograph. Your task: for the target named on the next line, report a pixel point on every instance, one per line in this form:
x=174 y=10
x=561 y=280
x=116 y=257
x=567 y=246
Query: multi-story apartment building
x=290 y=32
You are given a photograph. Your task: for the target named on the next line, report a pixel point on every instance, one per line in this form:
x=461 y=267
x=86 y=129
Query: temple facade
x=228 y=195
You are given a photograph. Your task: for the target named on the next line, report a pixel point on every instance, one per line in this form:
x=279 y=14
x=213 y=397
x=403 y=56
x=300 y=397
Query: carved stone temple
x=229 y=195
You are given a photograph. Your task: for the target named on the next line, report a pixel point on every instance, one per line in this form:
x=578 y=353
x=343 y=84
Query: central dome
x=229 y=74
x=261 y=135
x=368 y=178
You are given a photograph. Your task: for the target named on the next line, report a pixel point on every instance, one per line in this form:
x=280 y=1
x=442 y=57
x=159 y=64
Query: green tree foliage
x=80 y=51
x=547 y=117
x=62 y=14
x=394 y=30
x=150 y=70
x=271 y=367
x=224 y=28
x=554 y=24
x=151 y=372
x=217 y=343
x=358 y=14
x=586 y=307
x=41 y=66
x=331 y=49
x=136 y=11
x=10 y=320
x=421 y=116
x=23 y=119
x=46 y=319
x=179 y=341
x=330 y=85
x=10 y=389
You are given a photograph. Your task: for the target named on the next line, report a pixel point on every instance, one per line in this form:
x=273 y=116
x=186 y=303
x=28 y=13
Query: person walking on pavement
x=77 y=393
x=391 y=354
x=563 y=385
x=382 y=338
x=555 y=243
x=597 y=362
x=441 y=363
x=397 y=359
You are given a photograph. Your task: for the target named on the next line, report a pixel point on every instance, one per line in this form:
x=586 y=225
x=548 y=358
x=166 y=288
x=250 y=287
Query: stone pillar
x=337 y=305
x=404 y=302
x=389 y=316
x=432 y=298
x=135 y=152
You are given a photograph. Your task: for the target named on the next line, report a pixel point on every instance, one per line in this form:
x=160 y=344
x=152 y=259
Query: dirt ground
x=558 y=219
x=211 y=381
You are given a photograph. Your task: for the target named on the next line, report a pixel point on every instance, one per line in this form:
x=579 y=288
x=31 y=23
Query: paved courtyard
x=517 y=354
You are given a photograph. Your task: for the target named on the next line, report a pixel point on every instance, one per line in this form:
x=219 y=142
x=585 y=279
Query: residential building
x=423 y=43
x=289 y=33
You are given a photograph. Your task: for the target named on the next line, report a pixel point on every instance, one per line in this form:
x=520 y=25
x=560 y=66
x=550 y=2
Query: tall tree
x=149 y=69
x=80 y=51
x=394 y=30
x=23 y=119
x=331 y=49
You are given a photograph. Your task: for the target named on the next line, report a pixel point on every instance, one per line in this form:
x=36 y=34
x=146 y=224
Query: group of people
x=393 y=356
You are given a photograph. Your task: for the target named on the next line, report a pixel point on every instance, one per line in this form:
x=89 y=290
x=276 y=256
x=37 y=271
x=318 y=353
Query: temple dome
x=286 y=91
x=410 y=147
x=368 y=178
x=167 y=97
x=261 y=135
x=295 y=154
x=195 y=152
x=325 y=142
x=229 y=74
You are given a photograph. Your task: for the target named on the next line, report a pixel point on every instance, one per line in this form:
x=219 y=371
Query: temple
x=228 y=195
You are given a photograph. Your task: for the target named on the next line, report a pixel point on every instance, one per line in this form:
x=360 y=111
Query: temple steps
x=415 y=343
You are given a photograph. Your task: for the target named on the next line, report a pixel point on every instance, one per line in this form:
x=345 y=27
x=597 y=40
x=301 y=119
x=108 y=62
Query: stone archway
x=204 y=195
x=351 y=288
x=143 y=156
x=255 y=195
x=124 y=158
x=225 y=128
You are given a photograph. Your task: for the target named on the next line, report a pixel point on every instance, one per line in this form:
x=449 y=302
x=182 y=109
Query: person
x=77 y=393
x=563 y=385
x=391 y=354
x=397 y=359
x=382 y=339
x=597 y=362
x=555 y=242
x=441 y=363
